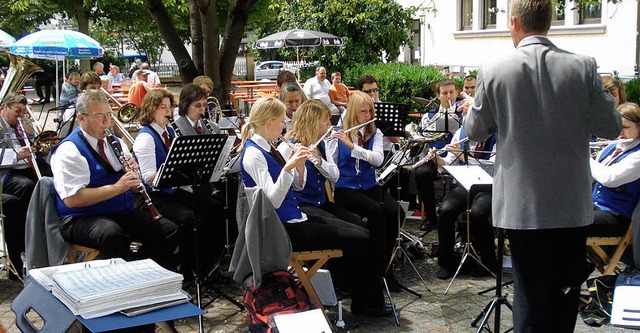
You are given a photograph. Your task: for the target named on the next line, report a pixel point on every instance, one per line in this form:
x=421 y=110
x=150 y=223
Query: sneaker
x=444 y=273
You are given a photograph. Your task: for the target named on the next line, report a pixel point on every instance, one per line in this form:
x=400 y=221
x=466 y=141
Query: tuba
x=20 y=69
x=127 y=112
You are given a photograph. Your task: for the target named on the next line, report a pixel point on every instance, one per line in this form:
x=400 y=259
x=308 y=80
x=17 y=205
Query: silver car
x=270 y=69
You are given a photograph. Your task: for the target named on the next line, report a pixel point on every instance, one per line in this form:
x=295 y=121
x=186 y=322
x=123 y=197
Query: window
x=590 y=13
x=490 y=13
x=557 y=16
x=466 y=20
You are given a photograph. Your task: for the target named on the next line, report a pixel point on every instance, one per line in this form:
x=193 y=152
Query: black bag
x=596 y=310
x=278 y=294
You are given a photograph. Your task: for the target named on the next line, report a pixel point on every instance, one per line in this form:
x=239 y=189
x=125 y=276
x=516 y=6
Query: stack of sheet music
x=100 y=290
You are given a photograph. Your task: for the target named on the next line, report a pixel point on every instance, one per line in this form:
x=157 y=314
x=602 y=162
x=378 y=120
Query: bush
x=398 y=82
x=633 y=90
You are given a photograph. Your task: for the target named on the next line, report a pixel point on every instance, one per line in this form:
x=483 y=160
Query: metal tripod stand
x=498 y=299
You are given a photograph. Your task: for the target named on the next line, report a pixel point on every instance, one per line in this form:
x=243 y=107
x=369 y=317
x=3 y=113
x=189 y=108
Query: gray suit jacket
x=185 y=128
x=543 y=104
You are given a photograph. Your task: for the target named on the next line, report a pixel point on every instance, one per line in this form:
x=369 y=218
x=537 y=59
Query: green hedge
x=632 y=88
x=398 y=82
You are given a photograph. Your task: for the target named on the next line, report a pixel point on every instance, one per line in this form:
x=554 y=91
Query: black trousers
x=481 y=229
x=47 y=85
x=607 y=224
x=425 y=175
x=112 y=234
x=381 y=212
x=330 y=209
x=321 y=232
x=15 y=212
x=548 y=266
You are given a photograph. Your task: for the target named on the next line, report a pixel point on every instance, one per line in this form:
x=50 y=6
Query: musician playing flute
x=19 y=178
x=357 y=154
x=306 y=232
x=616 y=170
x=96 y=200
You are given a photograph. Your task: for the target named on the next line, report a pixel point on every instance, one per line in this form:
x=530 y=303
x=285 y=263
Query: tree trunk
x=168 y=31
x=236 y=23
x=211 y=36
x=195 y=23
x=83 y=26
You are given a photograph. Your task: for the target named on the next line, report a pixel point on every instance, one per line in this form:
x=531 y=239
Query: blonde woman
x=306 y=232
x=357 y=154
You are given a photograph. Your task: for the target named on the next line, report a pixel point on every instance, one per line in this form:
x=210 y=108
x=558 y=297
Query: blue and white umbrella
x=6 y=40
x=57 y=45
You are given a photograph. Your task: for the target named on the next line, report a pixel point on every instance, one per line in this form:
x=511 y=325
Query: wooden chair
x=300 y=259
x=607 y=265
x=79 y=253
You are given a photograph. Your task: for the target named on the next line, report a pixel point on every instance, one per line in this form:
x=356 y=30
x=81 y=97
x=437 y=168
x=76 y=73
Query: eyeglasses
x=99 y=116
x=18 y=109
x=368 y=91
x=198 y=106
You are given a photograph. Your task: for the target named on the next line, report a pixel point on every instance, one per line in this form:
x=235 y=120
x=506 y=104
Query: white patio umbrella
x=57 y=45
x=6 y=40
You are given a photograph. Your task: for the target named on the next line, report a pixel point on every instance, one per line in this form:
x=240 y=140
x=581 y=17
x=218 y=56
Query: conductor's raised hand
x=465 y=104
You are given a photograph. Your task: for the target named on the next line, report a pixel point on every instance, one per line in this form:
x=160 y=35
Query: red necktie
x=167 y=140
x=101 y=150
x=198 y=129
x=478 y=153
x=360 y=140
x=615 y=155
x=276 y=154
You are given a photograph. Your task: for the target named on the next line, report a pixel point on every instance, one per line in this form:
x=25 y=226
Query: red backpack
x=278 y=294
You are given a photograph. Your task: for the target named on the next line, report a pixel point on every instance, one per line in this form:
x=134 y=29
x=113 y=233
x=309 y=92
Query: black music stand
x=498 y=299
x=191 y=161
x=444 y=125
x=474 y=179
x=391 y=118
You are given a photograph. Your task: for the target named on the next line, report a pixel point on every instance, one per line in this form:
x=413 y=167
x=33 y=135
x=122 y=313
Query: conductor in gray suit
x=543 y=104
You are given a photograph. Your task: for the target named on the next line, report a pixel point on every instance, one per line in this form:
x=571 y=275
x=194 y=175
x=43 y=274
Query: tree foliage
x=372 y=29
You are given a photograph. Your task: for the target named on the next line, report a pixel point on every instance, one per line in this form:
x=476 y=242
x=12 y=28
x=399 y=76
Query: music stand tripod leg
x=498 y=299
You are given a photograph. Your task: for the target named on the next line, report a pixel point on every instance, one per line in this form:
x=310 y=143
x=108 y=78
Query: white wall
x=612 y=42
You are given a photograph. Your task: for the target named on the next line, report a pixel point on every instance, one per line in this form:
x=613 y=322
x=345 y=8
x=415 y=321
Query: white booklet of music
x=469 y=175
x=44 y=276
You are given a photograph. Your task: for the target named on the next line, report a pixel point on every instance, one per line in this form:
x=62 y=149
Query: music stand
x=391 y=118
x=474 y=179
x=444 y=123
x=498 y=299
x=191 y=161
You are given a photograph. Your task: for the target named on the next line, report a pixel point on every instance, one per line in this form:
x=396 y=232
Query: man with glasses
x=19 y=179
x=318 y=87
x=97 y=201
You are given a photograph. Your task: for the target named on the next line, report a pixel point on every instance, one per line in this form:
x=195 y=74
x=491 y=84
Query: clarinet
x=207 y=125
x=117 y=149
x=175 y=127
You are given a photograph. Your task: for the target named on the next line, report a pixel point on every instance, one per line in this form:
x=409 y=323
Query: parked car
x=270 y=69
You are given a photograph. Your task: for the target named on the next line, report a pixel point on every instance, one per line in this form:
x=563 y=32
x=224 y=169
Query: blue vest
x=314 y=192
x=289 y=209
x=363 y=180
x=621 y=200
x=492 y=142
x=101 y=173
x=160 y=151
x=442 y=142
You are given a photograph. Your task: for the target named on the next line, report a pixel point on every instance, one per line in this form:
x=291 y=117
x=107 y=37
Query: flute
x=117 y=149
x=358 y=126
x=324 y=136
x=608 y=142
x=295 y=147
x=437 y=153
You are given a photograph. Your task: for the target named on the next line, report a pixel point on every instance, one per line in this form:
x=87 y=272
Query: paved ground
x=433 y=312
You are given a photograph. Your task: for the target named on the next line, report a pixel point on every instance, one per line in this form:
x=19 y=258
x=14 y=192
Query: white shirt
x=328 y=167
x=622 y=172
x=153 y=81
x=255 y=164
x=315 y=89
x=374 y=157
x=15 y=143
x=429 y=123
x=451 y=157
x=71 y=169
x=145 y=149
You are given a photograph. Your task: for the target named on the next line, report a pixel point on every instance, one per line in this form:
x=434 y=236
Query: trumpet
x=117 y=149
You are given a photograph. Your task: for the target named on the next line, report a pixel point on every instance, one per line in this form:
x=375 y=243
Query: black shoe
x=444 y=273
x=393 y=283
x=428 y=226
x=374 y=311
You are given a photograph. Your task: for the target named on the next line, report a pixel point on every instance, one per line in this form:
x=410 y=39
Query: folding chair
x=607 y=265
x=300 y=259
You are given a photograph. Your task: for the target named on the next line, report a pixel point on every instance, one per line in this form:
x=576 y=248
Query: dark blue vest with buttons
x=363 y=180
x=160 y=150
x=289 y=209
x=621 y=200
x=99 y=176
x=314 y=192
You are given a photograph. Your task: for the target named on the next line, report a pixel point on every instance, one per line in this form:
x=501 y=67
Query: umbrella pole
x=57 y=86
x=298 y=60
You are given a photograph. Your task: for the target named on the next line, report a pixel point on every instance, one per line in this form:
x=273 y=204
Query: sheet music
x=8 y=157
x=222 y=160
x=469 y=175
x=626 y=309
x=312 y=321
x=44 y=276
